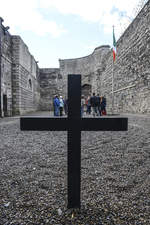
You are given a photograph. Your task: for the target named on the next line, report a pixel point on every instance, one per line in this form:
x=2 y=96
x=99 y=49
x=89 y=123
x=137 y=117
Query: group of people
x=60 y=106
x=94 y=104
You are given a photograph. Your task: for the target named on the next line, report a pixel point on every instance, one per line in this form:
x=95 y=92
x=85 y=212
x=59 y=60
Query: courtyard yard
x=115 y=179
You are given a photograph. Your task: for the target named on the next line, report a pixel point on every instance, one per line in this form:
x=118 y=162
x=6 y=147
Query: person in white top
x=61 y=106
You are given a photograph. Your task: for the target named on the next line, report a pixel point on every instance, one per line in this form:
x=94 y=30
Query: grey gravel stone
x=115 y=186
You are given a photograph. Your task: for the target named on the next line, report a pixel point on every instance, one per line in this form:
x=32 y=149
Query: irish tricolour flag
x=114 y=45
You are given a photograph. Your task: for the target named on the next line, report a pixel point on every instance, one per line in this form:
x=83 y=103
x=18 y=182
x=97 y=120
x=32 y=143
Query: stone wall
x=89 y=67
x=19 y=84
x=6 y=67
x=131 y=68
x=26 y=91
x=50 y=84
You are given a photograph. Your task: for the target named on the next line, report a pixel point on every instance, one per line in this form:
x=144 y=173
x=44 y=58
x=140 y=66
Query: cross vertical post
x=74 y=141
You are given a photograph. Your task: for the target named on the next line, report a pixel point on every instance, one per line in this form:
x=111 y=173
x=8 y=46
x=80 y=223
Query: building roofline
x=97 y=48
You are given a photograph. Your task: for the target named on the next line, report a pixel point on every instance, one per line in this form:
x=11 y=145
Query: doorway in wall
x=5 y=104
x=86 y=90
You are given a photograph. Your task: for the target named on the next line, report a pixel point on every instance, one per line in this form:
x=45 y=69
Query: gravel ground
x=115 y=188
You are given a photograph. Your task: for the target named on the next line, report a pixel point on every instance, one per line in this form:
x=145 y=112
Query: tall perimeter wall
x=50 y=85
x=25 y=80
x=5 y=71
x=89 y=67
x=19 y=76
x=131 y=68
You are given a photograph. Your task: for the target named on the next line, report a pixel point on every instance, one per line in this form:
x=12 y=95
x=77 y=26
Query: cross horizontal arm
x=43 y=123
x=63 y=124
x=104 y=124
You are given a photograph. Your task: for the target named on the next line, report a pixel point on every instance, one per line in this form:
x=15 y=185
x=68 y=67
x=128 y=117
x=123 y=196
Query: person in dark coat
x=66 y=106
x=82 y=105
x=88 y=105
x=99 y=104
x=103 y=105
x=94 y=105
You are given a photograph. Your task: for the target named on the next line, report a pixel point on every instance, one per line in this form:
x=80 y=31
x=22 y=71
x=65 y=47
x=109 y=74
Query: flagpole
x=112 y=86
x=113 y=76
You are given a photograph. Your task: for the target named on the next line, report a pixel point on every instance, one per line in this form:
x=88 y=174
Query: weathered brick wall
x=16 y=101
x=50 y=85
x=131 y=69
x=26 y=91
x=6 y=67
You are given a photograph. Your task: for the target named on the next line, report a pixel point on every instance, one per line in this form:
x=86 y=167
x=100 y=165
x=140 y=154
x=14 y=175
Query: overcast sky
x=54 y=29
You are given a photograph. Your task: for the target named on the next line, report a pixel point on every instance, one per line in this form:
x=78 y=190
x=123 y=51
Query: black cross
x=74 y=124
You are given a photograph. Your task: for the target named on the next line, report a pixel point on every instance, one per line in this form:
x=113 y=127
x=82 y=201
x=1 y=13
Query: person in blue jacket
x=56 y=104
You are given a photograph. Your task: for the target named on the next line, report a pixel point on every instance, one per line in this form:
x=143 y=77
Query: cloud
x=25 y=15
x=86 y=9
x=106 y=13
